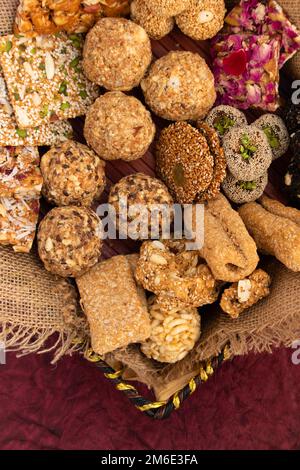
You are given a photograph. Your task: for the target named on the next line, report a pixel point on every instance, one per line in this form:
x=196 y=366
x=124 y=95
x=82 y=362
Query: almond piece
x=205 y=16
x=244 y=290
x=49 y=66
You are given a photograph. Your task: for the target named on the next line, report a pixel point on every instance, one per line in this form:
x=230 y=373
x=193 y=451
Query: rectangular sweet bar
x=20 y=174
x=10 y=134
x=48 y=16
x=115 y=311
x=44 y=78
x=18 y=220
x=246 y=70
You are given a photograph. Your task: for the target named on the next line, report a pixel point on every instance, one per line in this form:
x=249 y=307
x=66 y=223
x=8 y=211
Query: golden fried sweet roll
x=275 y=229
x=228 y=249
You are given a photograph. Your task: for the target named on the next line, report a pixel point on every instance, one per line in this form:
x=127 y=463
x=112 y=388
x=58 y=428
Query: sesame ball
x=295 y=145
x=247 y=152
x=203 y=19
x=146 y=191
x=118 y=126
x=292 y=117
x=276 y=132
x=179 y=87
x=167 y=8
x=73 y=175
x=222 y=118
x=241 y=192
x=70 y=240
x=117 y=53
x=156 y=26
x=184 y=162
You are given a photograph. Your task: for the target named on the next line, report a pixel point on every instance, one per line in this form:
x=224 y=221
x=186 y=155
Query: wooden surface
x=117 y=169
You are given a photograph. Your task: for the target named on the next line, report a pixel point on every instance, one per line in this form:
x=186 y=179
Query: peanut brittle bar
x=44 y=78
x=10 y=134
x=115 y=311
x=18 y=219
x=50 y=16
x=20 y=175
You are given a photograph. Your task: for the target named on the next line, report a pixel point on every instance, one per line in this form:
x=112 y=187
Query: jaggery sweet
x=119 y=126
x=173 y=333
x=190 y=161
x=179 y=86
x=145 y=197
x=178 y=279
x=70 y=240
x=276 y=132
x=241 y=192
x=222 y=118
x=275 y=233
x=109 y=297
x=228 y=249
x=247 y=152
x=202 y=19
x=155 y=25
x=117 y=53
x=73 y=175
x=167 y=8
x=245 y=293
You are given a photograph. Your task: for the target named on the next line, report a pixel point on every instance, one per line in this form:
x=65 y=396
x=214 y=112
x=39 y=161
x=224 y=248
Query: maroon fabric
x=251 y=403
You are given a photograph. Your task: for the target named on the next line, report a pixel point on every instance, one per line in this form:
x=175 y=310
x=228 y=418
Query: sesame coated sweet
x=241 y=192
x=203 y=19
x=248 y=152
x=222 y=118
x=179 y=87
x=118 y=126
x=184 y=161
x=117 y=53
x=167 y=8
x=156 y=26
x=140 y=190
x=73 y=175
x=217 y=152
x=70 y=240
x=276 y=132
x=44 y=78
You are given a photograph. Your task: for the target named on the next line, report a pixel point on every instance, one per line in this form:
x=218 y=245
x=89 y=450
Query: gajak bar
x=115 y=311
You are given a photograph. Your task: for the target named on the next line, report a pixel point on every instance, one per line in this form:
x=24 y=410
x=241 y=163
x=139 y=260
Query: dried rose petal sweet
x=267 y=19
x=246 y=71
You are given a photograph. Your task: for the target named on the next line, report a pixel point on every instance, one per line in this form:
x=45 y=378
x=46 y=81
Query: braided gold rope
x=206 y=370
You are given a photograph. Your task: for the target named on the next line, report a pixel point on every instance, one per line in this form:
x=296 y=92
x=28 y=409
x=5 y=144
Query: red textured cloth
x=251 y=403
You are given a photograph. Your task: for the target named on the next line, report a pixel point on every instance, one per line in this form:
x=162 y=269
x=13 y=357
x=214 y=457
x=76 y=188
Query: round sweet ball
x=223 y=118
x=276 y=132
x=118 y=126
x=73 y=175
x=70 y=240
x=247 y=152
x=140 y=191
x=184 y=162
x=117 y=53
x=156 y=26
x=203 y=19
x=241 y=192
x=180 y=87
x=167 y=8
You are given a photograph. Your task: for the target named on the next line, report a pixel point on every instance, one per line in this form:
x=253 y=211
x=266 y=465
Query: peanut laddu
x=245 y=293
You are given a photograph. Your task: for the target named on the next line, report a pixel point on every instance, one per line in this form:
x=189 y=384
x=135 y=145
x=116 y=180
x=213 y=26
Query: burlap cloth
x=34 y=305
x=7 y=15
